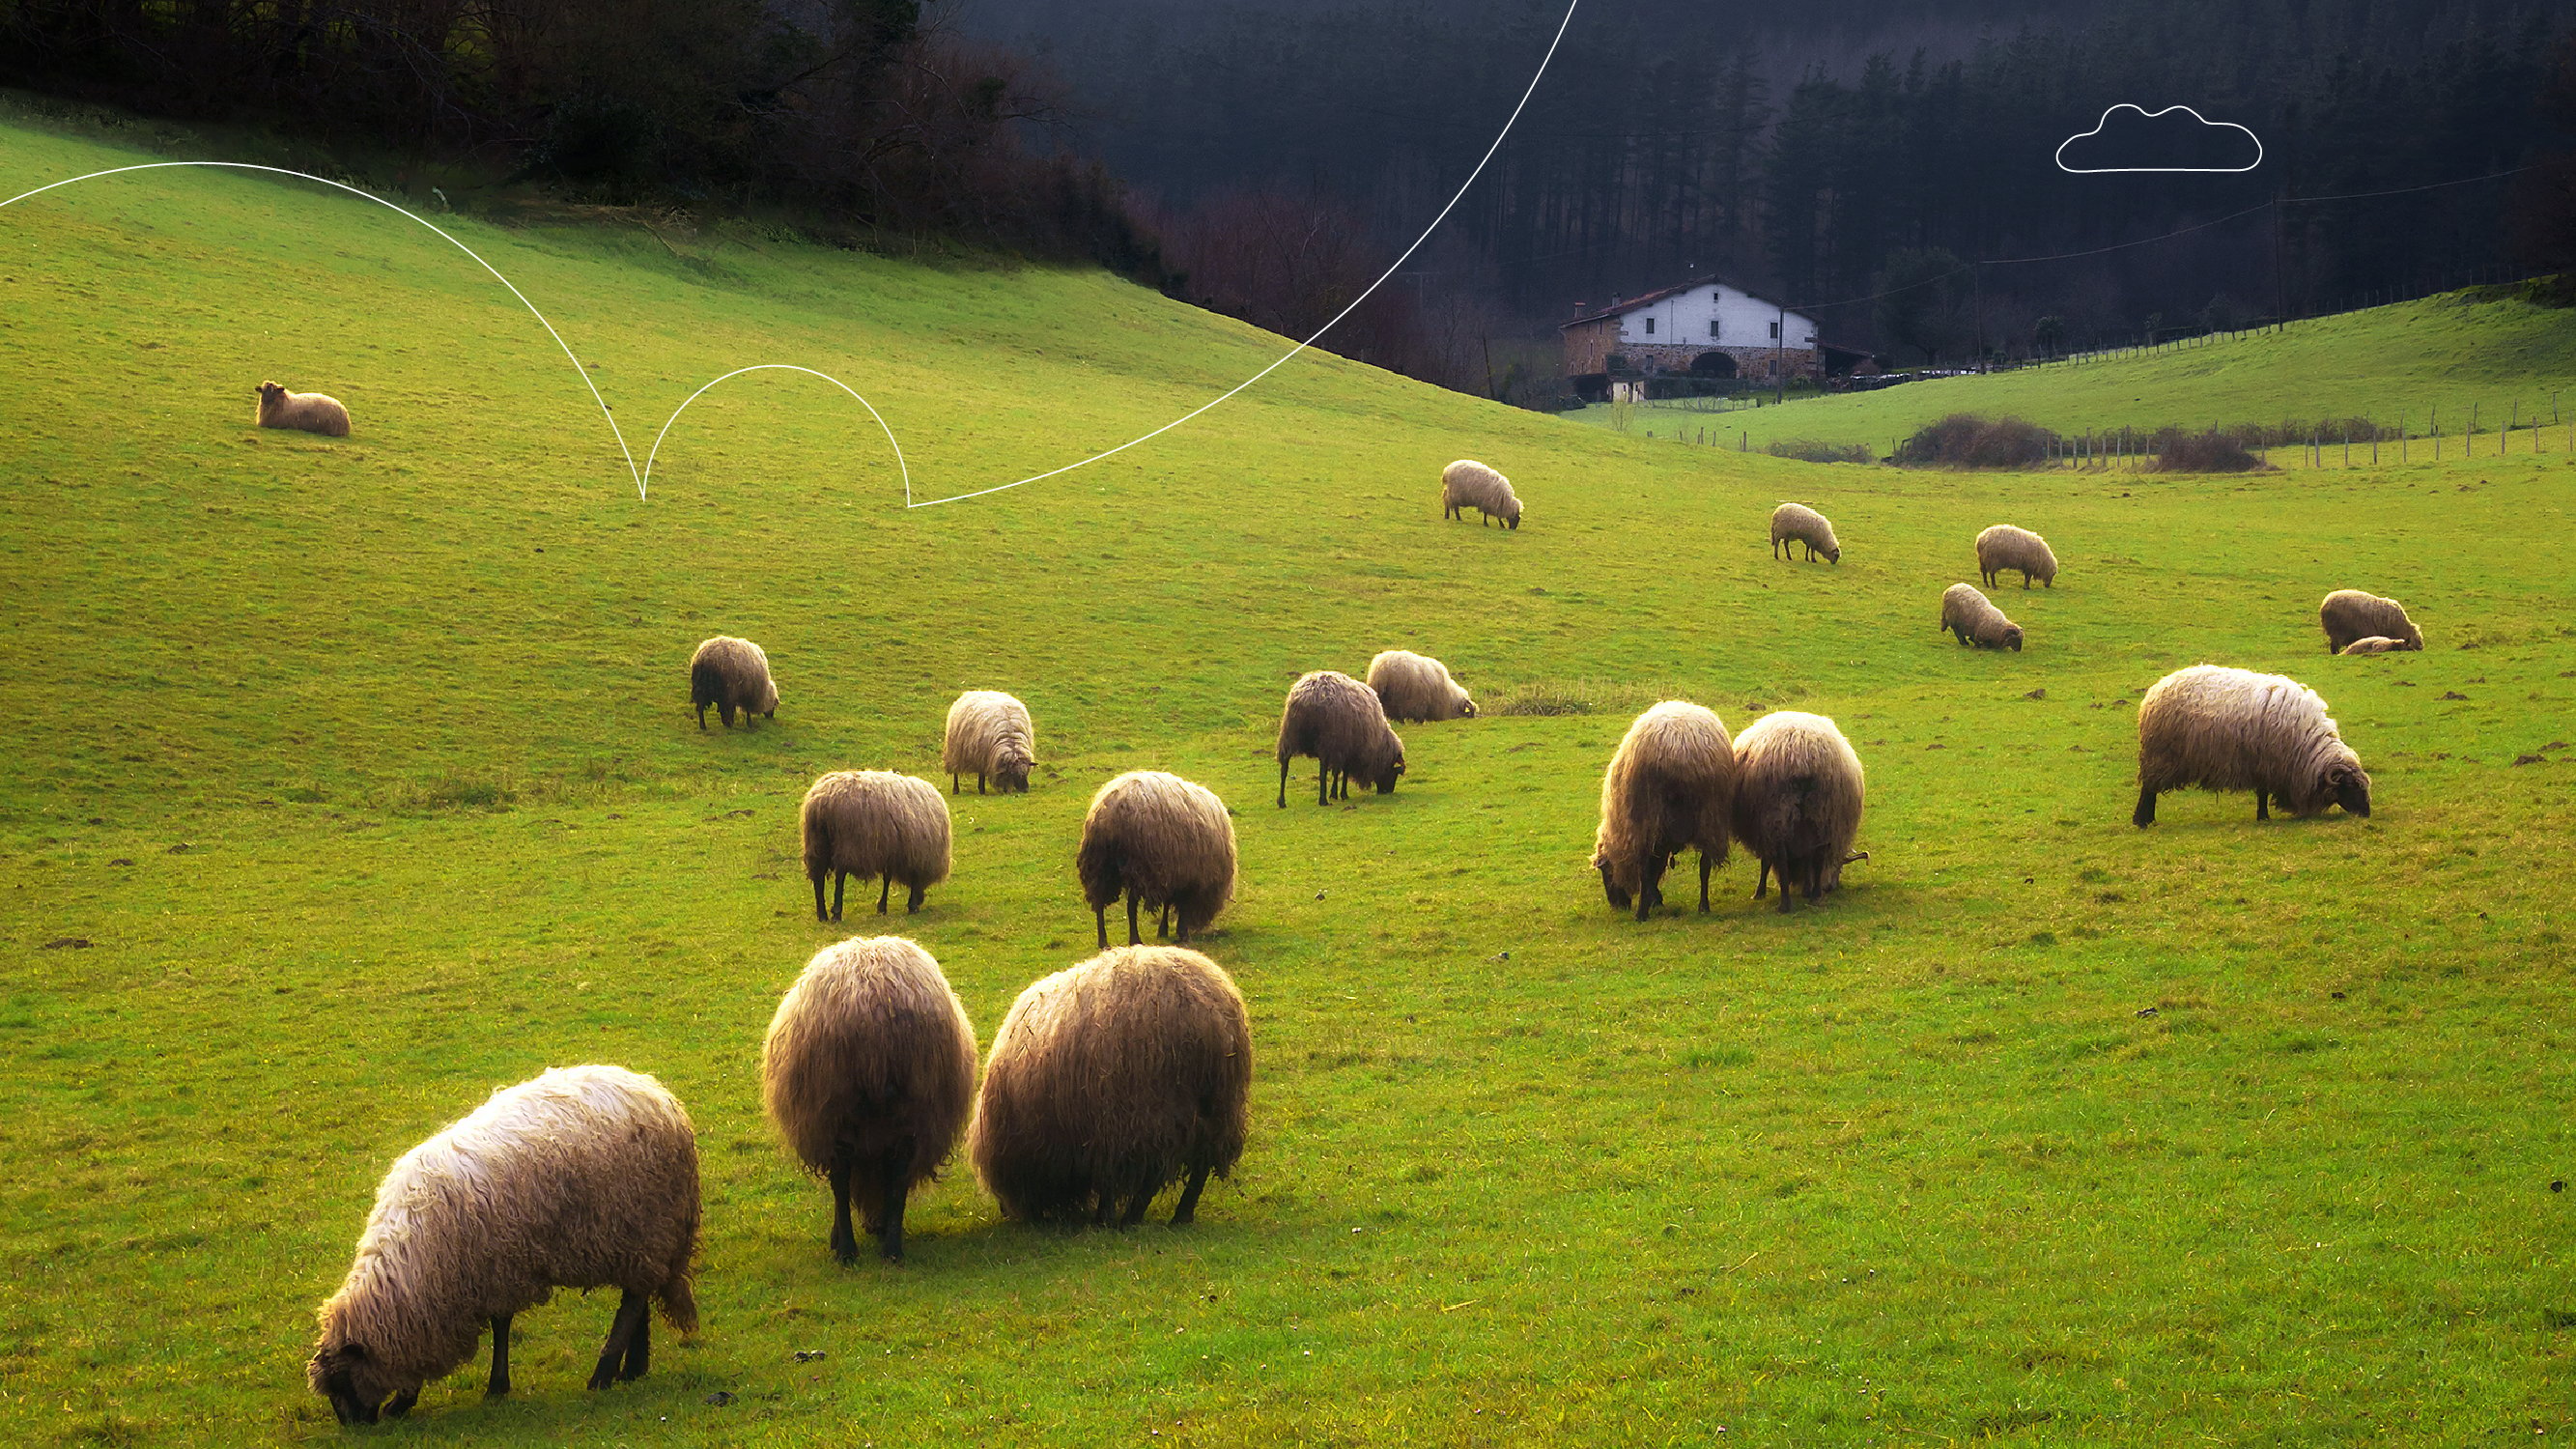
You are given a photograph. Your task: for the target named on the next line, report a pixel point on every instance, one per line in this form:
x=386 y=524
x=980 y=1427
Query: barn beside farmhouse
x=1708 y=332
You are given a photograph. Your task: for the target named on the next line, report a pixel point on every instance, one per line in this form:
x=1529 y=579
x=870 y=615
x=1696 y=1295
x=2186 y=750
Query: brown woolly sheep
x=2375 y=644
x=731 y=674
x=989 y=734
x=2350 y=614
x=1109 y=1081
x=1159 y=840
x=874 y=823
x=584 y=1177
x=1798 y=799
x=1797 y=523
x=1668 y=789
x=2006 y=547
x=868 y=1072
x=1339 y=721
x=1469 y=484
x=1417 y=687
x=1975 y=619
x=2234 y=729
x=310 y=412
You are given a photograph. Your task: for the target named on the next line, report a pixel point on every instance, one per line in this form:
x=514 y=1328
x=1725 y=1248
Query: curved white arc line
x=578 y=368
x=1460 y=195
x=900 y=465
x=2059 y=156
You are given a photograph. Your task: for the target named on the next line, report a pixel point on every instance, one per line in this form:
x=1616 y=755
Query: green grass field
x=2509 y=361
x=363 y=774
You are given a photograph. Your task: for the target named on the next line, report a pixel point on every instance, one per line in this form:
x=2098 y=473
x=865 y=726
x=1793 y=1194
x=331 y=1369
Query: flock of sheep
x=1118 y=1077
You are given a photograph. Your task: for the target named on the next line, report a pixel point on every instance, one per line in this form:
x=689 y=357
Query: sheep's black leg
x=1646 y=873
x=885 y=892
x=631 y=1306
x=400 y=1404
x=2262 y=809
x=1283 y=784
x=1323 y=793
x=1762 y=880
x=1134 y=937
x=893 y=1182
x=1163 y=925
x=1186 y=1210
x=1703 y=882
x=1100 y=921
x=819 y=913
x=1136 y=1209
x=845 y=1244
x=914 y=897
x=979 y=782
x=1787 y=894
x=499 y=1386
x=952 y=784
x=2145 y=814
x=702 y=716
x=639 y=1348
x=724 y=708
x=840 y=881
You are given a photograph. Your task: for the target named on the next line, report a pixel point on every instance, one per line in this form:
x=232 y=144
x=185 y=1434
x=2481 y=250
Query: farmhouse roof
x=1647 y=299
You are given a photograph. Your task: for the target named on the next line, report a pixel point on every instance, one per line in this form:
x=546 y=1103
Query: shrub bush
x=1967 y=440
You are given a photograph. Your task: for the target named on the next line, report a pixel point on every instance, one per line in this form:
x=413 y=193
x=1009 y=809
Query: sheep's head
x=768 y=698
x=1514 y=517
x=1834 y=554
x=356 y=1383
x=1384 y=780
x=1466 y=705
x=1011 y=773
x=1610 y=887
x=2350 y=788
x=272 y=393
x=2012 y=637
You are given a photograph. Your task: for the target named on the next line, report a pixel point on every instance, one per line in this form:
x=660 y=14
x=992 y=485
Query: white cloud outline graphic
x=2145 y=114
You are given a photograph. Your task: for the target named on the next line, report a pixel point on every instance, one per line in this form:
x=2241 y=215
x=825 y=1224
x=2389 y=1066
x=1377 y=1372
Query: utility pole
x=2280 y=284
x=1977 y=283
x=1779 y=339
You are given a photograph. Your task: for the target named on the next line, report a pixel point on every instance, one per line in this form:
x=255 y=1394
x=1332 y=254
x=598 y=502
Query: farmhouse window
x=1712 y=329
x=1650 y=326
x=1775 y=329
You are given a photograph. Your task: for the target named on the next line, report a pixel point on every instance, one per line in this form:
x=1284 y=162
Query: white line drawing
x=2147 y=115
x=643 y=477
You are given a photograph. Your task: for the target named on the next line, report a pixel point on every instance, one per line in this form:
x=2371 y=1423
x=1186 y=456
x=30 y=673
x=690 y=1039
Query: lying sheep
x=2234 y=729
x=1109 y=1081
x=1469 y=484
x=874 y=823
x=1975 y=619
x=311 y=412
x=1798 y=798
x=989 y=734
x=2375 y=644
x=2006 y=547
x=1669 y=788
x=731 y=674
x=1339 y=721
x=1417 y=687
x=584 y=1177
x=2350 y=614
x=868 y=1071
x=1797 y=523
x=1159 y=840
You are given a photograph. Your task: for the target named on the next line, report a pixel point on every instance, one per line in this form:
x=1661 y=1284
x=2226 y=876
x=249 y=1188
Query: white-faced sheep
x=1339 y=721
x=1469 y=484
x=2375 y=644
x=874 y=823
x=2350 y=614
x=868 y=1072
x=1798 y=799
x=1161 y=841
x=989 y=735
x=1794 y=523
x=584 y=1177
x=1670 y=788
x=1417 y=687
x=310 y=412
x=2234 y=729
x=1975 y=619
x=1111 y=1080
x=2006 y=547
x=731 y=674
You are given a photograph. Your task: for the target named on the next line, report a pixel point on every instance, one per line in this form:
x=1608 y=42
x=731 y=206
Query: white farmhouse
x=1708 y=329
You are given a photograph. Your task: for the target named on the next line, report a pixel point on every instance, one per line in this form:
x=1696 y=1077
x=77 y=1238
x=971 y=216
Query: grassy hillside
x=2408 y=359
x=354 y=779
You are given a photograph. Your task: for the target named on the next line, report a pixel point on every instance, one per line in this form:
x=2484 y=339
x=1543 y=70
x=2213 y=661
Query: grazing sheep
x=868 y=1072
x=874 y=822
x=1417 y=687
x=2234 y=729
x=2375 y=644
x=989 y=734
x=2350 y=614
x=1798 y=798
x=2006 y=547
x=1469 y=484
x=1109 y=1081
x=731 y=674
x=1339 y=721
x=584 y=1177
x=1668 y=789
x=1797 y=523
x=1160 y=840
x=311 y=412
x=1975 y=619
